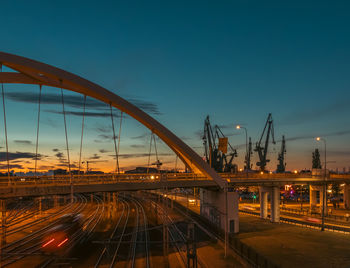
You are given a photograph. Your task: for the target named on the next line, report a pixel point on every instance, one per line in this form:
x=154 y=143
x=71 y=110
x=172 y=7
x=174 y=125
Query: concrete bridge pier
x=346 y=196
x=274 y=193
x=313 y=197
x=214 y=204
x=263 y=193
x=275 y=204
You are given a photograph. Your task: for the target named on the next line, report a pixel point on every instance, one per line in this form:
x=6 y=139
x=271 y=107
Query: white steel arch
x=34 y=72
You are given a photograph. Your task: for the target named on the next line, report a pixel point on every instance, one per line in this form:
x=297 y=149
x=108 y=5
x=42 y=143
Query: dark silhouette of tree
x=316 y=162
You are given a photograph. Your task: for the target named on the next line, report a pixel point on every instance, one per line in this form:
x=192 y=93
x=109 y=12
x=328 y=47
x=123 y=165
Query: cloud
x=18 y=155
x=104 y=129
x=95 y=156
x=226 y=126
x=199 y=133
x=338 y=153
x=65 y=164
x=77 y=102
x=137 y=146
x=232 y=134
x=23 y=142
x=4 y=166
x=310 y=136
x=55 y=150
x=309 y=114
x=51 y=98
x=59 y=155
x=107 y=137
x=184 y=138
x=46 y=167
x=137 y=155
x=102 y=151
x=146 y=106
x=49 y=122
x=142 y=136
x=87 y=114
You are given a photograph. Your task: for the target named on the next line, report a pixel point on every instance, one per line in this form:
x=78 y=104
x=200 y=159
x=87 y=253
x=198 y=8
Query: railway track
x=128 y=244
x=178 y=239
x=30 y=245
x=89 y=226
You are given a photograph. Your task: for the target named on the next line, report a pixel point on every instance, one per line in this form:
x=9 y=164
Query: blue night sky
x=236 y=61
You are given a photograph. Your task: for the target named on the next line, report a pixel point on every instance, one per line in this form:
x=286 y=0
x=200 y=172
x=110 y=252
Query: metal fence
x=312 y=225
x=247 y=253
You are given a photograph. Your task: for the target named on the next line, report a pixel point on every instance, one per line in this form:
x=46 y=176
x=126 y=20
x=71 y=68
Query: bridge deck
x=37 y=186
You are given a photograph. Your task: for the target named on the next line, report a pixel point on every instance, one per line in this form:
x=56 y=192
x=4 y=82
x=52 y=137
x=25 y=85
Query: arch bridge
x=29 y=71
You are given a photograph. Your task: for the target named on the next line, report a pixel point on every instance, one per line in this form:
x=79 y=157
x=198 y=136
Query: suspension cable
x=82 y=134
x=65 y=130
x=114 y=137
x=155 y=148
x=5 y=127
x=37 y=132
x=149 y=154
x=176 y=163
x=120 y=131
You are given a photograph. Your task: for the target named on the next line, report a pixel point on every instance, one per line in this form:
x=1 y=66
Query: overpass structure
x=214 y=202
x=55 y=185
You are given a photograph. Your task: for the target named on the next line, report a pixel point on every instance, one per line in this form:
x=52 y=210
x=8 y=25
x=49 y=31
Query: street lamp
x=324 y=182
x=246 y=143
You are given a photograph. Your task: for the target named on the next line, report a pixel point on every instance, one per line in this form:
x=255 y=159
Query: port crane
x=217 y=158
x=247 y=160
x=87 y=162
x=262 y=149
x=281 y=167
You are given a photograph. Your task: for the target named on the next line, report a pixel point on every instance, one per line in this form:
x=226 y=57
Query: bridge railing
x=97 y=179
x=149 y=177
x=243 y=175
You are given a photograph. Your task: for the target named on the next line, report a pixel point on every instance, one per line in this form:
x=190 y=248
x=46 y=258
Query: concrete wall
x=346 y=196
x=212 y=206
x=313 y=197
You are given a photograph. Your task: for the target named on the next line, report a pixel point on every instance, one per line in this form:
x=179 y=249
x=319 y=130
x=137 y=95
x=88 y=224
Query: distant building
x=142 y=170
x=60 y=172
x=95 y=172
x=76 y=172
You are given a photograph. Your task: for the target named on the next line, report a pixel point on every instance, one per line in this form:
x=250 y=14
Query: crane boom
x=281 y=167
x=228 y=166
x=216 y=158
x=262 y=151
x=248 y=156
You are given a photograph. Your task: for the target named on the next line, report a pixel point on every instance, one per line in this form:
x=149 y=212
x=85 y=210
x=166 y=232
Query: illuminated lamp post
x=246 y=144
x=324 y=203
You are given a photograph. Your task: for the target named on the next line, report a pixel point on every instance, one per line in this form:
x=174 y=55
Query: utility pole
x=165 y=228
x=3 y=227
x=191 y=246
x=247 y=154
x=226 y=220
